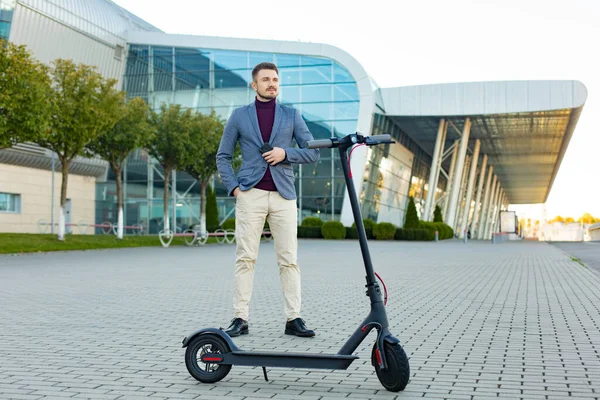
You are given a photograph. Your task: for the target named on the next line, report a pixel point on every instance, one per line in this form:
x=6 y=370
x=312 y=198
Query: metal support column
x=451 y=176
x=476 y=211
x=485 y=211
x=437 y=153
x=496 y=212
x=489 y=213
x=455 y=191
x=486 y=202
x=474 y=162
x=461 y=195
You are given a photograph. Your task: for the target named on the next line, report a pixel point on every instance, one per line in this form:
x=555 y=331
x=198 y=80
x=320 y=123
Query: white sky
x=407 y=42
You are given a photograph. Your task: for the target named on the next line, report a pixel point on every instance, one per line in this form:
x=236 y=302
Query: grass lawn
x=29 y=243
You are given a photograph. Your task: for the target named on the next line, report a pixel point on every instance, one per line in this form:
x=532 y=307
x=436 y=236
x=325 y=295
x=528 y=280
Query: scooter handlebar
x=349 y=141
x=378 y=139
x=319 y=143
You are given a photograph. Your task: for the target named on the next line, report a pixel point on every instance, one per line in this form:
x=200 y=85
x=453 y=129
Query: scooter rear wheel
x=206 y=372
x=396 y=376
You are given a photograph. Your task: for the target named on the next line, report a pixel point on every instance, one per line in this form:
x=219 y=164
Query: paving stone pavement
x=478 y=321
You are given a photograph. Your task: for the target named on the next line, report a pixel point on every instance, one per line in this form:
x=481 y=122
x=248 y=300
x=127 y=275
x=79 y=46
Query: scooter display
x=210 y=352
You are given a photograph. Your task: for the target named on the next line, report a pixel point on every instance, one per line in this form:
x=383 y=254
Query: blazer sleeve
x=225 y=153
x=302 y=135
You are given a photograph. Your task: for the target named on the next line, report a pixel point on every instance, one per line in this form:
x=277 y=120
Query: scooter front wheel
x=395 y=377
x=206 y=372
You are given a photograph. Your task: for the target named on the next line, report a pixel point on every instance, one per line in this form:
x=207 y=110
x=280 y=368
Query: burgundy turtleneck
x=265 y=111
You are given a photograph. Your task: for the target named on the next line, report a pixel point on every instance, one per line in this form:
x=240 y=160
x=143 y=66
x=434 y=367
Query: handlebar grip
x=379 y=138
x=319 y=143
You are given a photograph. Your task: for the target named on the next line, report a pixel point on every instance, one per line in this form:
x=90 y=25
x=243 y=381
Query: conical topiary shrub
x=437 y=214
x=412 y=218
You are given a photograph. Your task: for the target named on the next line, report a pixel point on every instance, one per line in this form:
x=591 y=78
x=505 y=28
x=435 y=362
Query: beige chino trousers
x=251 y=209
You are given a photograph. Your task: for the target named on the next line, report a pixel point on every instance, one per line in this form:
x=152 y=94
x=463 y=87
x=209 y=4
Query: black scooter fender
x=384 y=335
x=211 y=331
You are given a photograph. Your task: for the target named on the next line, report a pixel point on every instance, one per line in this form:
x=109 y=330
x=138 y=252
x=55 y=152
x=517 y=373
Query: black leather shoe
x=238 y=327
x=298 y=328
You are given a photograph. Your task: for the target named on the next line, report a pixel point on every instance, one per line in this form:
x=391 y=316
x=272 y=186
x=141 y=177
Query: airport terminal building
x=471 y=148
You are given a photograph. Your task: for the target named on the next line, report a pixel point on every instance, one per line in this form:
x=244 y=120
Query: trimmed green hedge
x=444 y=231
x=312 y=222
x=333 y=230
x=228 y=224
x=384 y=231
x=309 y=232
x=368 y=224
x=414 y=234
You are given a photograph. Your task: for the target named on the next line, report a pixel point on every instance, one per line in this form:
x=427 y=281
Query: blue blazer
x=242 y=126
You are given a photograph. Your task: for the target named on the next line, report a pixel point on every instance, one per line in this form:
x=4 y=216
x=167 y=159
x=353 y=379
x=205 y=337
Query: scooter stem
x=362 y=236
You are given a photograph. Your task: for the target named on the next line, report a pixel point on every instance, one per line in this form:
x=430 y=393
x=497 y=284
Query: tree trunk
x=63 y=198
x=203 y=186
x=117 y=172
x=166 y=200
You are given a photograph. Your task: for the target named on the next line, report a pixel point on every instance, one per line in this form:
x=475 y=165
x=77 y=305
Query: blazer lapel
x=276 y=122
x=254 y=120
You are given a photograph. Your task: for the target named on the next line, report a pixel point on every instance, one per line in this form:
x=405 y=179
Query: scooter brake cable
x=385 y=298
x=349 y=154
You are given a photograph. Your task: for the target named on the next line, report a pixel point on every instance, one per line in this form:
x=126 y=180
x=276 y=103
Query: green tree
x=84 y=106
x=171 y=127
x=212 y=211
x=437 y=214
x=132 y=131
x=569 y=220
x=412 y=218
x=24 y=92
x=201 y=152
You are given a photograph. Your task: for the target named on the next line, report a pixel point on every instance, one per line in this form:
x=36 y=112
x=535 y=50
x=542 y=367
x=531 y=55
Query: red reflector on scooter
x=212 y=359
x=378 y=356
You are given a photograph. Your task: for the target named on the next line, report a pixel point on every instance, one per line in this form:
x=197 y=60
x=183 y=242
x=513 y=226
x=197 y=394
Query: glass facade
x=7 y=8
x=206 y=79
x=393 y=173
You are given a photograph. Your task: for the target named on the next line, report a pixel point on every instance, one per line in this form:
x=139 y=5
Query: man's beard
x=267 y=95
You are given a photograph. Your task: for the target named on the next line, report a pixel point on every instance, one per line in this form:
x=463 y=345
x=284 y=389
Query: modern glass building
x=465 y=140
x=6 y=11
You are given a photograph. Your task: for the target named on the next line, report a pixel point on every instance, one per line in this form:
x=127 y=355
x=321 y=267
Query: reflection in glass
x=219 y=80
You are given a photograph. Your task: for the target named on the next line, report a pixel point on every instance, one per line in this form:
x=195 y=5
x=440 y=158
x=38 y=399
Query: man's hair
x=263 y=65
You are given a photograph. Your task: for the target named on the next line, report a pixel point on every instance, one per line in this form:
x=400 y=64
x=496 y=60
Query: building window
x=10 y=203
x=119 y=52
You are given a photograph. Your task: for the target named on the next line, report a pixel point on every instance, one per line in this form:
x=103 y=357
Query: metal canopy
x=525 y=148
x=524 y=127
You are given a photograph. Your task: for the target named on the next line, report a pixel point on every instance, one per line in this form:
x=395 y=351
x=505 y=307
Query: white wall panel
x=49 y=39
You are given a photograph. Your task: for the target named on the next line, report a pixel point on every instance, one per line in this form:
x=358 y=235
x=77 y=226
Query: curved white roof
x=524 y=126
x=483 y=98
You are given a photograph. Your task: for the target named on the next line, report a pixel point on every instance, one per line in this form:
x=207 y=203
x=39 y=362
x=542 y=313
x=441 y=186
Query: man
x=264 y=188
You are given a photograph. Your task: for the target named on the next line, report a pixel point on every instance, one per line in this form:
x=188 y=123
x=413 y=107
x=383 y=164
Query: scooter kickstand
x=265 y=374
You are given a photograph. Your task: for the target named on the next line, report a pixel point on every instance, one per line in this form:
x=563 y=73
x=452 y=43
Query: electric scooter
x=211 y=353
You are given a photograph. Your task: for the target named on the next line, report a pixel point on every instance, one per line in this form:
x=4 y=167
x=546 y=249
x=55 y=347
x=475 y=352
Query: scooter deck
x=287 y=360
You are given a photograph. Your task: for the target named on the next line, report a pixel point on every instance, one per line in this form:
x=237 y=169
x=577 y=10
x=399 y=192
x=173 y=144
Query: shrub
x=414 y=234
x=437 y=214
x=309 y=232
x=412 y=218
x=444 y=231
x=351 y=232
x=212 y=211
x=369 y=224
x=384 y=231
x=333 y=230
x=312 y=222
x=228 y=224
